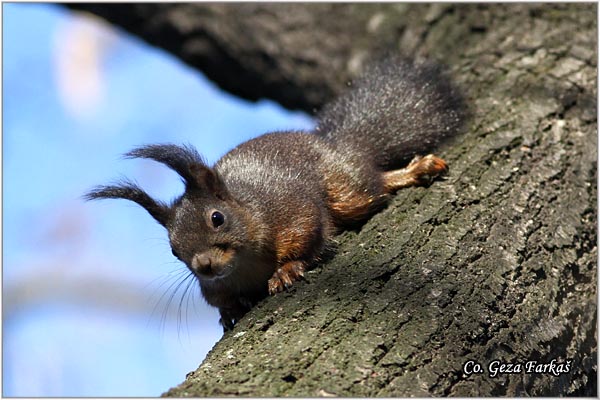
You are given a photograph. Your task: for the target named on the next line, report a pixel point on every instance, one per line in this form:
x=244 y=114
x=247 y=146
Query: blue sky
x=85 y=285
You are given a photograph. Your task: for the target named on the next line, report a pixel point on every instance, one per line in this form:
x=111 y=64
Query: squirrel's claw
x=284 y=277
x=226 y=321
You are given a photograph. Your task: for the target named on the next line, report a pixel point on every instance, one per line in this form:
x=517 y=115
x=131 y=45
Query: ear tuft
x=178 y=158
x=130 y=191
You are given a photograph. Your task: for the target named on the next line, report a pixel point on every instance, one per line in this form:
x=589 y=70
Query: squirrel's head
x=207 y=227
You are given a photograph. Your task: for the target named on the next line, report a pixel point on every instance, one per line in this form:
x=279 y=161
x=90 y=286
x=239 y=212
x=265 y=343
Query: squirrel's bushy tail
x=395 y=110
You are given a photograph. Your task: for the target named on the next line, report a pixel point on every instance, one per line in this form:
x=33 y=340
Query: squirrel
x=253 y=223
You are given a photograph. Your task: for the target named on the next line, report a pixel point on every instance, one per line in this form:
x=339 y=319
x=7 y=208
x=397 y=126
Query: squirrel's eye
x=217 y=219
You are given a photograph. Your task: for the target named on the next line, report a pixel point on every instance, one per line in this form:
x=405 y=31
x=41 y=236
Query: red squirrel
x=253 y=223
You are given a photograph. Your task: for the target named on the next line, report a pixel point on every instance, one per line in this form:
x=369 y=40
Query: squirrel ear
x=206 y=178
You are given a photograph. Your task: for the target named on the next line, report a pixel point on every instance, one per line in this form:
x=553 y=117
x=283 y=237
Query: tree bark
x=497 y=262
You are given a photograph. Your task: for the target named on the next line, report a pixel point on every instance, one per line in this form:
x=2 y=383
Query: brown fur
x=348 y=205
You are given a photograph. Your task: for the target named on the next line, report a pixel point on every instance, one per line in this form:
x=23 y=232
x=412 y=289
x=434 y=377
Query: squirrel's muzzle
x=201 y=264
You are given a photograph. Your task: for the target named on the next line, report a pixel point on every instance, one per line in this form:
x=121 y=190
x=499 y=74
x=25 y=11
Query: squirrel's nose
x=201 y=263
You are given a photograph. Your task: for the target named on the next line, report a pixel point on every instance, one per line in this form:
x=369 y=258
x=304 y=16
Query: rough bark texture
x=497 y=262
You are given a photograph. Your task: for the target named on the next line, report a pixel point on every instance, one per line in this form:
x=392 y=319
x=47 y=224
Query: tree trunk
x=497 y=262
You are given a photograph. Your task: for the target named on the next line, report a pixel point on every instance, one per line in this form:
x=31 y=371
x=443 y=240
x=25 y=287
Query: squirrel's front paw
x=284 y=276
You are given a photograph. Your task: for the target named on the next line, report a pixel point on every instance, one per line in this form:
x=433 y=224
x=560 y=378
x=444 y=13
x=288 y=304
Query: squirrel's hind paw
x=285 y=276
x=419 y=172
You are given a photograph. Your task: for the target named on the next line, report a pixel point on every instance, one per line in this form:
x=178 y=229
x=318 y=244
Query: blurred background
x=93 y=302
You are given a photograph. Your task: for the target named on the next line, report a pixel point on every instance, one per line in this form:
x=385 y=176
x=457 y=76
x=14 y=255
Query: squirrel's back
x=396 y=109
